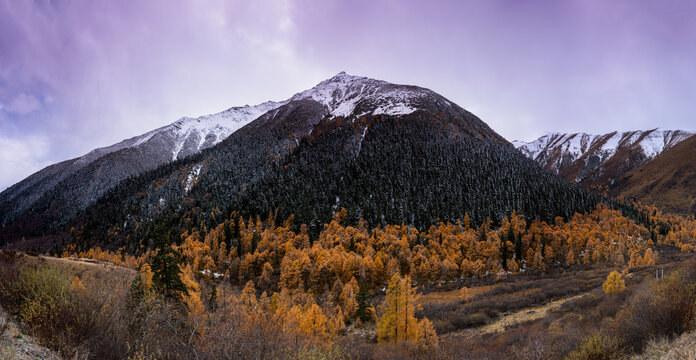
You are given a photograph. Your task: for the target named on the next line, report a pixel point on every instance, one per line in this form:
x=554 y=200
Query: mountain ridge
x=595 y=160
x=666 y=182
x=387 y=153
x=184 y=137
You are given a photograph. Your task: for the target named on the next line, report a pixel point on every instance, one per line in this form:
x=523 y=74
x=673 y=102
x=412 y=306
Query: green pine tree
x=212 y=300
x=166 y=274
x=363 y=299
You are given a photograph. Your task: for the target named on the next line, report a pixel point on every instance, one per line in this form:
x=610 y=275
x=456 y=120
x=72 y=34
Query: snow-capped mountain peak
x=577 y=155
x=343 y=93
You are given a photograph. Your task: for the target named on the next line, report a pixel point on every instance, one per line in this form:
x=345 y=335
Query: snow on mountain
x=557 y=150
x=576 y=155
x=205 y=131
x=343 y=93
x=191 y=135
x=85 y=179
x=340 y=94
x=658 y=141
x=652 y=142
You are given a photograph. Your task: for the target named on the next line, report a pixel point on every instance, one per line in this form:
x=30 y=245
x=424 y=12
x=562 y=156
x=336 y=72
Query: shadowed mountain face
x=668 y=181
x=388 y=153
x=595 y=161
x=79 y=182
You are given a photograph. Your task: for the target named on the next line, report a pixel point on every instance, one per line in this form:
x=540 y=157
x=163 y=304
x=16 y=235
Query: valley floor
x=519 y=314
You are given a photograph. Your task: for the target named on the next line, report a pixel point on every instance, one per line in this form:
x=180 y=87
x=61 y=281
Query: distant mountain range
x=594 y=161
x=627 y=164
x=388 y=153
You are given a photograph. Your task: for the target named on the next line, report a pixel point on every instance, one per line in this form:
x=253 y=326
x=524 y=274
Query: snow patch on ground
x=192 y=178
x=207 y=272
x=394 y=109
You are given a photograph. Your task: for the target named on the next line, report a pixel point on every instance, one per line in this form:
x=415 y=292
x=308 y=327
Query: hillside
x=70 y=186
x=256 y=288
x=387 y=153
x=667 y=182
x=594 y=161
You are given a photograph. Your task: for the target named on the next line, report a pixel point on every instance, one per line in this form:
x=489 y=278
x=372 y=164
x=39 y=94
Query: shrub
x=598 y=347
x=43 y=301
x=660 y=308
x=463 y=321
x=4 y=322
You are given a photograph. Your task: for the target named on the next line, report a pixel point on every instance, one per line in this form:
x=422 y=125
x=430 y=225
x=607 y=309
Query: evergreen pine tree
x=227 y=231
x=212 y=300
x=363 y=299
x=166 y=277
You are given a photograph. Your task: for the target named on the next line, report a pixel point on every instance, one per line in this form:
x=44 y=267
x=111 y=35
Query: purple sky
x=79 y=74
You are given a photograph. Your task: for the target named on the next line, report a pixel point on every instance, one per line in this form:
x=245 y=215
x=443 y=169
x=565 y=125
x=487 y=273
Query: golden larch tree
x=398 y=323
x=614 y=283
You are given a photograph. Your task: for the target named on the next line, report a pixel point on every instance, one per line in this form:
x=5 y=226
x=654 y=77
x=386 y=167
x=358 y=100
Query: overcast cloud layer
x=80 y=74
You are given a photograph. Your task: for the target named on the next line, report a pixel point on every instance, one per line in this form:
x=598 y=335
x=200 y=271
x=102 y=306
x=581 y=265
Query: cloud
x=20 y=157
x=109 y=71
x=82 y=74
x=23 y=104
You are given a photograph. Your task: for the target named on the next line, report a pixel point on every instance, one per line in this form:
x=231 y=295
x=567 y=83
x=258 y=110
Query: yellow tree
x=77 y=286
x=464 y=293
x=570 y=258
x=634 y=259
x=336 y=291
x=265 y=280
x=314 y=322
x=614 y=283
x=650 y=258
x=146 y=276
x=398 y=323
x=427 y=337
x=348 y=302
x=248 y=297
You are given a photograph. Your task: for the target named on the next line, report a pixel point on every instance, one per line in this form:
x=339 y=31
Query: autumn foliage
x=315 y=288
x=397 y=323
x=615 y=283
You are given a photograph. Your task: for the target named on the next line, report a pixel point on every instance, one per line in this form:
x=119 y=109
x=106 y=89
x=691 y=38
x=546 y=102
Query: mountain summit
x=387 y=153
x=346 y=95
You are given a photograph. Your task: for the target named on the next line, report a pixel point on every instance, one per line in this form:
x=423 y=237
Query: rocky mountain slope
x=595 y=161
x=388 y=153
x=83 y=180
x=667 y=182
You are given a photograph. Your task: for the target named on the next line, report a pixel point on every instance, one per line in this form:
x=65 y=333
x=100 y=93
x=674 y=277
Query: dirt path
x=95 y=269
x=84 y=262
x=515 y=318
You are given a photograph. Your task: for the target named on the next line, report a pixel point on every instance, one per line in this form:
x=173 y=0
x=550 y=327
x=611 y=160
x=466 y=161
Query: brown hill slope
x=668 y=181
x=594 y=161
